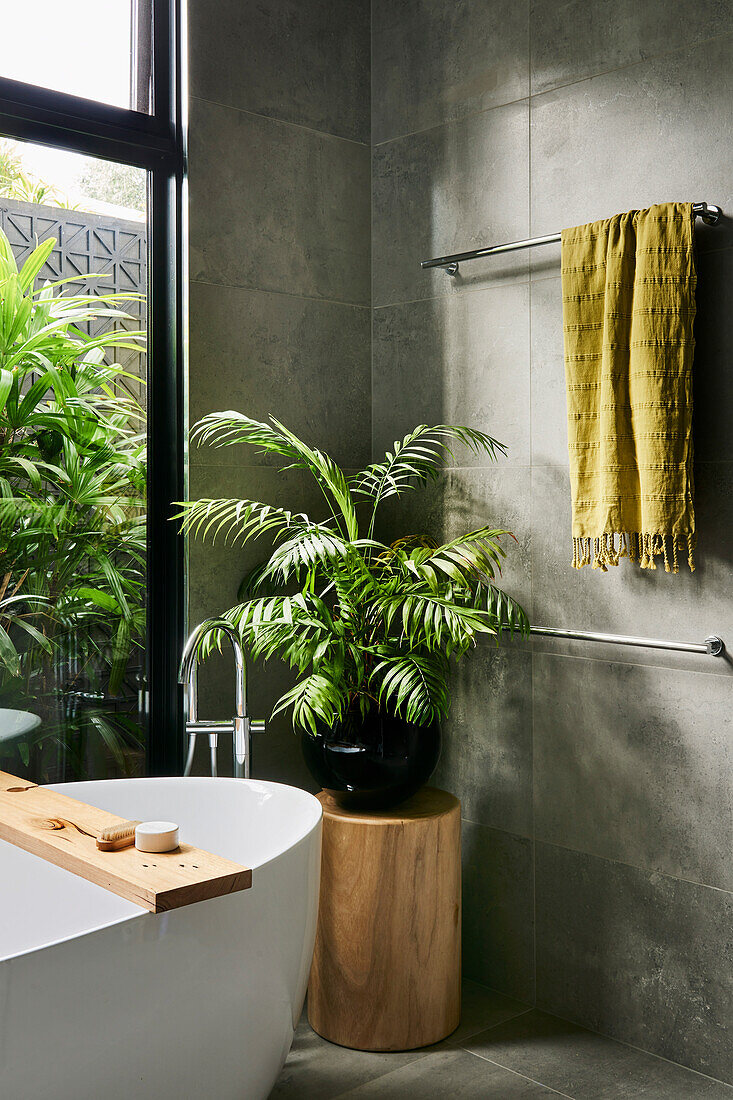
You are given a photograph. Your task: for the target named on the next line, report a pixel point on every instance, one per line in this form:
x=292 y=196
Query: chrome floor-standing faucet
x=241 y=726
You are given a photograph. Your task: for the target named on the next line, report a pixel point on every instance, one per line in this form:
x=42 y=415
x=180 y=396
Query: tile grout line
x=534 y=1080
x=583 y=1027
x=419 y=1056
x=279 y=121
x=453 y=291
x=531 y=518
x=629 y=65
x=532 y=94
x=638 y=1050
x=458 y=1045
x=282 y=293
x=539 y=647
x=450 y=121
x=595 y=855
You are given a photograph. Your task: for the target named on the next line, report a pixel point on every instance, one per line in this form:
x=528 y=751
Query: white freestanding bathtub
x=101 y=1000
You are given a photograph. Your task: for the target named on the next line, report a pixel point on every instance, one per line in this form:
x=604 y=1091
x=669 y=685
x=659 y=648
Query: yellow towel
x=628 y=287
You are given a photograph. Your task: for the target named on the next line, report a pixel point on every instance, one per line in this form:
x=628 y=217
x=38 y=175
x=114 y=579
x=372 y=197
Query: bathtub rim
x=304 y=835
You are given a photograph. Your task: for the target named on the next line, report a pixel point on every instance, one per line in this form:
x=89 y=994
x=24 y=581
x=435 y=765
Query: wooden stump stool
x=387 y=962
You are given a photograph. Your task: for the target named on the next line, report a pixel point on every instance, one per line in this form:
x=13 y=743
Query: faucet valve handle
x=257 y=725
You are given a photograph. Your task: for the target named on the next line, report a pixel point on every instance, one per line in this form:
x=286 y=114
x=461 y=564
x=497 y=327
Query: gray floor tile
x=451 y=1073
x=317 y=1070
x=317 y=1065
x=481 y=1008
x=586 y=1066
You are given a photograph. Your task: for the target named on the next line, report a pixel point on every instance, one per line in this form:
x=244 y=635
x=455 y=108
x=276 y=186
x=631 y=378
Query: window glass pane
x=97 y=49
x=72 y=465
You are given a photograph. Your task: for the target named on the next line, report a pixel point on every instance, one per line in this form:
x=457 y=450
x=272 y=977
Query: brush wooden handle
x=117 y=836
x=115 y=845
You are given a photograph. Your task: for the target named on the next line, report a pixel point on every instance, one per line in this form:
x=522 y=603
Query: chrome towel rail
x=712 y=645
x=710 y=214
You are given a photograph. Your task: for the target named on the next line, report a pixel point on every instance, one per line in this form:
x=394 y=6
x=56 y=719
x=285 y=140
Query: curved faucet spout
x=239 y=726
x=189 y=665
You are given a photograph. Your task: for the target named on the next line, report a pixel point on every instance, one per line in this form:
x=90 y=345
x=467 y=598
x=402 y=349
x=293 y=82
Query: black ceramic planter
x=372 y=763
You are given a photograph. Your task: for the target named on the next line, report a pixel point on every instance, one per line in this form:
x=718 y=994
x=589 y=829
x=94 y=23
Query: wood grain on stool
x=387 y=962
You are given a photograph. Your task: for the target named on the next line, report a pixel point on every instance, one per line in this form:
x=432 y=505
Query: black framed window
x=131 y=158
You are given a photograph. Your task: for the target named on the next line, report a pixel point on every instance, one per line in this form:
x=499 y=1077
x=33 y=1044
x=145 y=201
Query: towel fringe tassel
x=608 y=549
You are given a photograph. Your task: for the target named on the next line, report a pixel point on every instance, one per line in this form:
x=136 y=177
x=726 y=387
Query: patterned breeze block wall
x=95 y=243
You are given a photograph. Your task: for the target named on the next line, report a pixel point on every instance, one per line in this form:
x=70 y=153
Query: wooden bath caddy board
x=64 y=831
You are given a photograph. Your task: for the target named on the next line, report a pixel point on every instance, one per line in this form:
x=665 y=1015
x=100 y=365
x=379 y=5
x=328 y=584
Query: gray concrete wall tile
x=306 y=63
x=303 y=361
x=436 y=62
x=484 y=336
x=640 y=957
x=498 y=947
x=277 y=207
x=574 y=40
x=487 y=739
x=446 y=190
x=713 y=378
x=547 y=381
x=635 y=764
x=635 y=137
x=465 y=499
x=628 y=600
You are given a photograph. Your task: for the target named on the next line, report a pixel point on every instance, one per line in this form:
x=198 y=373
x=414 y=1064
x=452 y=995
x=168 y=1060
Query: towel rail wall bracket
x=709 y=213
x=714 y=646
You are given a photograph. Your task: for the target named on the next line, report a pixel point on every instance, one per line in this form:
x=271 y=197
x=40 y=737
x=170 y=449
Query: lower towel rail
x=714 y=646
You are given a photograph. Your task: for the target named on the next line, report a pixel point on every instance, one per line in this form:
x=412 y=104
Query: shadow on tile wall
x=595 y=782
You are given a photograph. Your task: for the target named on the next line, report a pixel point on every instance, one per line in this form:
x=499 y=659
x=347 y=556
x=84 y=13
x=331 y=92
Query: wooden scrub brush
x=117 y=836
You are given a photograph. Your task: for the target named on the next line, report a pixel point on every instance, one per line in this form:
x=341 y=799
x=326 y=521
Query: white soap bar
x=156 y=836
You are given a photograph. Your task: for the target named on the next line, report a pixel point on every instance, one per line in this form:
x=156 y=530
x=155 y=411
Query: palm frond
x=417 y=459
x=236 y=521
x=227 y=428
x=316 y=698
x=436 y=621
x=414 y=687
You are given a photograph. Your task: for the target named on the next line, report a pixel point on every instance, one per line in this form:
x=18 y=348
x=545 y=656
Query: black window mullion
x=165 y=478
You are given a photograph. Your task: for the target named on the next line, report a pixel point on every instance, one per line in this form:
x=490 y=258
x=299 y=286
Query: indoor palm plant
x=369 y=627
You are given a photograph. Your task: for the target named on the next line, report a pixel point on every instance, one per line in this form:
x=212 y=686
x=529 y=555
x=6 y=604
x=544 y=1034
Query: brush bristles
x=117 y=836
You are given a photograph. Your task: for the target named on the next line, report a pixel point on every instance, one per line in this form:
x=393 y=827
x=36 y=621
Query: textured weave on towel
x=628 y=287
